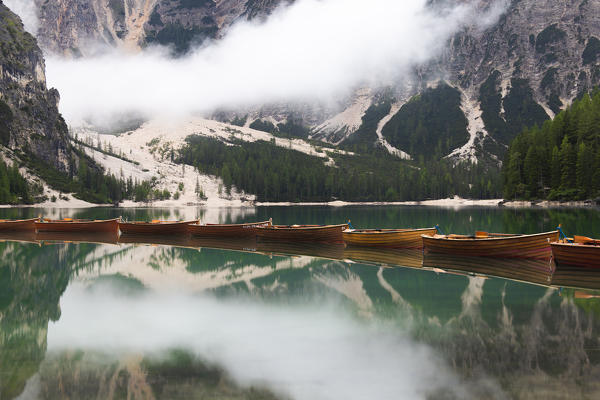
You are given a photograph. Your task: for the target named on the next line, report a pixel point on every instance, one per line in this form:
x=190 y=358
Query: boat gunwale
x=577 y=245
x=78 y=221
x=299 y=227
x=384 y=231
x=232 y=225
x=144 y=223
x=9 y=221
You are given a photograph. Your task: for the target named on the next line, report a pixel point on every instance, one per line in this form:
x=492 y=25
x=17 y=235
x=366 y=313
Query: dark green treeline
x=14 y=189
x=279 y=174
x=560 y=160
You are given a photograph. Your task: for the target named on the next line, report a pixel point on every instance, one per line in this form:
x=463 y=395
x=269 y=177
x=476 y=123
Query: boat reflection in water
x=412 y=258
x=576 y=277
x=536 y=271
x=48 y=237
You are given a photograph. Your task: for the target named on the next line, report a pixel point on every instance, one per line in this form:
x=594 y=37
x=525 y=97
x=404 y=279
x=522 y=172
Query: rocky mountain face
x=519 y=71
x=29 y=119
x=70 y=26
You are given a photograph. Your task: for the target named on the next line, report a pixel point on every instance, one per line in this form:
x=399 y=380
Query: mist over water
x=306 y=352
x=311 y=50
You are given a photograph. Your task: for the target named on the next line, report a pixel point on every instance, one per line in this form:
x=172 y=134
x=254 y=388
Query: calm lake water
x=190 y=319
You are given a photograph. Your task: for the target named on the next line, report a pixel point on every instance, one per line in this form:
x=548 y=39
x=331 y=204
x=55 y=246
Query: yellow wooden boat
x=399 y=238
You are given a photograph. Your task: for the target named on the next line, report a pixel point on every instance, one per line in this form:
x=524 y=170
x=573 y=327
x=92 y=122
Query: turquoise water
x=103 y=320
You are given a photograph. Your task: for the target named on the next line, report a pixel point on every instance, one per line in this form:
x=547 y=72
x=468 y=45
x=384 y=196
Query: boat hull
x=576 y=254
x=302 y=233
x=18 y=225
x=519 y=246
x=394 y=238
x=160 y=228
x=226 y=230
x=110 y=225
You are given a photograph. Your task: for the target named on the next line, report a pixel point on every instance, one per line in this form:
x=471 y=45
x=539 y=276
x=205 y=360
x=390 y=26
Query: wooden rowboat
x=302 y=233
x=582 y=252
x=401 y=238
x=155 y=227
x=227 y=230
x=492 y=244
x=18 y=224
x=77 y=225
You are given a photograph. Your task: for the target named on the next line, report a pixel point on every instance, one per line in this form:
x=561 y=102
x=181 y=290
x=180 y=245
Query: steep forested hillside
x=559 y=160
x=279 y=174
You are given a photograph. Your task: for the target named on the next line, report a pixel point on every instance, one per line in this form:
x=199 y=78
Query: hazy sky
x=312 y=50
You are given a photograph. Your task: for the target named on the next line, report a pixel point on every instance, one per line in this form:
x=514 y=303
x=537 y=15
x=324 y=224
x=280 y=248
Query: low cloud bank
x=311 y=50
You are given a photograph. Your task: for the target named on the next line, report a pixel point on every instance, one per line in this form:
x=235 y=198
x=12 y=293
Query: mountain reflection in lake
x=125 y=320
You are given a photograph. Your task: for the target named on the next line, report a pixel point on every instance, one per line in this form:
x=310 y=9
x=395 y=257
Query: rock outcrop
x=76 y=27
x=29 y=119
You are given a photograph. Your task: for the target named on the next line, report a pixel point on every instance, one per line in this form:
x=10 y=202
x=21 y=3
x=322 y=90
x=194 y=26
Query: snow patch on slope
x=147 y=152
x=338 y=128
x=476 y=128
x=382 y=141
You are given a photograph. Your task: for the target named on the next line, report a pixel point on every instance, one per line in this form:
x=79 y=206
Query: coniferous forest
x=279 y=174
x=560 y=160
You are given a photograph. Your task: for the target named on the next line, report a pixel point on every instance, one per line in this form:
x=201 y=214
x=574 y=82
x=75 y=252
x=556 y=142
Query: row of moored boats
x=579 y=250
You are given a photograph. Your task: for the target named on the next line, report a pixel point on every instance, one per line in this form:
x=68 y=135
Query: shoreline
x=455 y=202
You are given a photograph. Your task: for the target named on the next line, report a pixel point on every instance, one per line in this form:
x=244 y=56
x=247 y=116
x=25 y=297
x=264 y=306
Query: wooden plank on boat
x=401 y=238
x=302 y=233
x=227 y=230
x=495 y=245
x=77 y=225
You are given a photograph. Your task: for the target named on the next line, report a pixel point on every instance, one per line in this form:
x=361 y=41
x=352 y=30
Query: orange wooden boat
x=485 y=244
x=582 y=252
x=77 y=225
x=401 y=238
x=155 y=227
x=227 y=230
x=302 y=233
x=18 y=224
